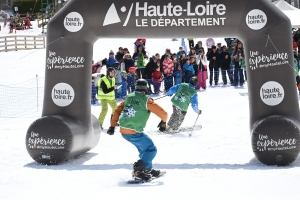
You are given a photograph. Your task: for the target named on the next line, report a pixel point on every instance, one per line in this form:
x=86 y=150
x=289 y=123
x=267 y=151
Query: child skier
x=134 y=113
x=184 y=95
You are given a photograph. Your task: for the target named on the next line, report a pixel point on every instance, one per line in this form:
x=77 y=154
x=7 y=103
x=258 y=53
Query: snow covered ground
x=215 y=163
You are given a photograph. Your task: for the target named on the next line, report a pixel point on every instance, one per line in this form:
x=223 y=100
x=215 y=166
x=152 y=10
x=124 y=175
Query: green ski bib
x=135 y=113
x=182 y=97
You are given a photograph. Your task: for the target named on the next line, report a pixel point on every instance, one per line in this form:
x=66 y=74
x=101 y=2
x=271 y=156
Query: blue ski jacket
x=194 y=99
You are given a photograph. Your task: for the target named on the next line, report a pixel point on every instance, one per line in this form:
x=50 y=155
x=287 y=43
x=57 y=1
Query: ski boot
x=154 y=172
x=139 y=171
x=170 y=130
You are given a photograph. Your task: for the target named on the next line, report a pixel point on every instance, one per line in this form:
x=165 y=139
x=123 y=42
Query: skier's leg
x=104 y=106
x=145 y=146
x=172 y=121
x=181 y=116
x=175 y=120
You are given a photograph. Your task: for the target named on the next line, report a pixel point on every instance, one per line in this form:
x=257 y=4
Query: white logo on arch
x=256 y=19
x=73 y=22
x=272 y=93
x=62 y=94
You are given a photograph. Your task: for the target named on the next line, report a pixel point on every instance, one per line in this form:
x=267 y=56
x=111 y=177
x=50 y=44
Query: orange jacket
x=295 y=46
x=152 y=107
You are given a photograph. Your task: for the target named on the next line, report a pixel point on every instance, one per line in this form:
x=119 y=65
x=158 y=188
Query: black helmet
x=141 y=85
x=109 y=69
x=194 y=81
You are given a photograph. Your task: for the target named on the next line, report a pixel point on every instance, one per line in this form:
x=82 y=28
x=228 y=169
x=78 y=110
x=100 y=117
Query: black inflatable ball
x=54 y=139
x=276 y=140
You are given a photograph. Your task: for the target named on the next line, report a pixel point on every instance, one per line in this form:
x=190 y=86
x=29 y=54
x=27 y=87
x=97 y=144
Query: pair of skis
x=183 y=129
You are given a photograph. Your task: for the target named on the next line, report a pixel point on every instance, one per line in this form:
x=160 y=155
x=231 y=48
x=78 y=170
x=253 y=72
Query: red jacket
x=156 y=75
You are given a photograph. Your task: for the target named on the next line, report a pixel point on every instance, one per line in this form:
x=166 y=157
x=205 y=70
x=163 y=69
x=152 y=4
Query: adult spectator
x=12 y=24
x=177 y=71
x=167 y=52
x=106 y=94
x=238 y=59
x=219 y=47
x=128 y=62
x=225 y=60
x=111 y=59
x=139 y=42
x=125 y=50
x=228 y=41
x=150 y=68
x=202 y=70
x=168 y=67
x=213 y=57
x=188 y=71
x=199 y=47
x=296 y=38
x=180 y=52
x=139 y=59
x=195 y=65
x=157 y=56
x=120 y=54
x=192 y=53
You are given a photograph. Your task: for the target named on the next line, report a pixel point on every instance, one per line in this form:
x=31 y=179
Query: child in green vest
x=185 y=94
x=133 y=114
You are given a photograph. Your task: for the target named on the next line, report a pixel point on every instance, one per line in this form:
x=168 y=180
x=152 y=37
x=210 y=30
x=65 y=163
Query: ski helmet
x=194 y=81
x=109 y=69
x=141 y=85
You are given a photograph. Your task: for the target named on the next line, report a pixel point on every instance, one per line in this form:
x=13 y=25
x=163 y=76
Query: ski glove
x=200 y=111
x=162 y=126
x=111 y=130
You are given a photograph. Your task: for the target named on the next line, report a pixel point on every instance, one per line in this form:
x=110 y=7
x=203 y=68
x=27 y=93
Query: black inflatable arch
x=67 y=127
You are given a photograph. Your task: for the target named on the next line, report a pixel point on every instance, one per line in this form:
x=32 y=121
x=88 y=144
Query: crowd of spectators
x=164 y=71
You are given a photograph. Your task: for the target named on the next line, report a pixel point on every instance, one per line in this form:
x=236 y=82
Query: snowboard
x=137 y=181
x=182 y=129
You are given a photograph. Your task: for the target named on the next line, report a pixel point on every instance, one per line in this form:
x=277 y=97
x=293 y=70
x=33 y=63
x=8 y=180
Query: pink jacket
x=168 y=66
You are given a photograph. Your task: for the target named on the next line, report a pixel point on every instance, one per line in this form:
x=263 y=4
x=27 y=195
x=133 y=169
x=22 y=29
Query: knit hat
x=132 y=69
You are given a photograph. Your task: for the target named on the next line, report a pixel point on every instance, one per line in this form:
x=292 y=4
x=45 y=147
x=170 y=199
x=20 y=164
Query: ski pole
x=161 y=97
x=194 y=125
